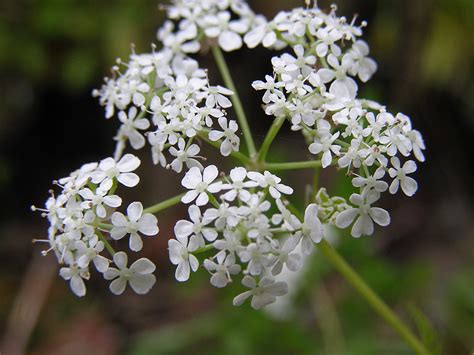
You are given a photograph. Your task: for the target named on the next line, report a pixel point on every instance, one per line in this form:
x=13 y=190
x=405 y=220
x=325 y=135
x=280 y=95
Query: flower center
x=201 y=187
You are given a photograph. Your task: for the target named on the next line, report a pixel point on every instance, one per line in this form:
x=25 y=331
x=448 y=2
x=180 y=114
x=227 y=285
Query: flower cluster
x=80 y=218
x=247 y=223
x=314 y=86
x=165 y=97
x=222 y=21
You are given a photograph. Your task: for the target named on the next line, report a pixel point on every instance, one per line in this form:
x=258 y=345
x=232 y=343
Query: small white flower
x=231 y=141
x=221 y=269
x=138 y=275
x=224 y=216
x=287 y=256
x=362 y=66
x=372 y=181
x=197 y=226
x=311 y=229
x=200 y=184
x=399 y=174
x=263 y=293
x=180 y=254
x=269 y=86
x=256 y=256
x=218 y=97
x=301 y=62
x=285 y=218
x=238 y=187
x=185 y=156
x=98 y=200
x=272 y=182
x=109 y=169
x=226 y=30
x=365 y=215
x=91 y=252
x=134 y=222
x=325 y=144
x=130 y=126
x=353 y=156
x=75 y=275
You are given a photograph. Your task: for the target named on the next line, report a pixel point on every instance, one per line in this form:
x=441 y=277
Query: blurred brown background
x=54 y=52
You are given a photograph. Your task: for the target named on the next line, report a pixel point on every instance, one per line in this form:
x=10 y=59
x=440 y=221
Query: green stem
x=204 y=249
x=272 y=132
x=310 y=164
x=164 y=204
x=106 y=243
x=239 y=111
x=371 y=297
x=238 y=155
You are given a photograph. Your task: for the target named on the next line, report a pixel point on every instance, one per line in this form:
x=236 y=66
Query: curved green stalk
x=310 y=164
x=164 y=204
x=239 y=110
x=238 y=155
x=272 y=132
x=371 y=297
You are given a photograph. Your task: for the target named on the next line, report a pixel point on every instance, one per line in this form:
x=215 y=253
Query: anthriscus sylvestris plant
x=241 y=224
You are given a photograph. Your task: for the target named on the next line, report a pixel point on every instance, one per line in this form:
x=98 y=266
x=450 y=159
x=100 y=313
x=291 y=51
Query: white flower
x=75 y=275
x=134 y=222
x=399 y=174
x=365 y=214
x=256 y=256
x=138 y=275
x=263 y=293
x=301 y=62
x=98 y=200
x=262 y=33
x=130 y=126
x=286 y=256
x=227 y=31
x=325 y=144
x=311 y=229
x=371 y=181
x=200 y=184
x=269 y=86
x=272 y=182
x=91 y=252
x=216 y=97
x=180 y=254
x=353 y=156
x=109 y=170
x=238 y=187
x=185 y=156
x=362 y=66
x=221 y=269
x=231 y=141
x=224 y=216
x=197 y=226
x=285 y=218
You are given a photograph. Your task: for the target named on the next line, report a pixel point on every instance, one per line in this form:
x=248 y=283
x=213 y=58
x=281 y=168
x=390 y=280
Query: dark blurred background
x=54 y=52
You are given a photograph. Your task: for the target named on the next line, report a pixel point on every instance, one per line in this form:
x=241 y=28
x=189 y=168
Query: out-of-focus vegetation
x=53 y=52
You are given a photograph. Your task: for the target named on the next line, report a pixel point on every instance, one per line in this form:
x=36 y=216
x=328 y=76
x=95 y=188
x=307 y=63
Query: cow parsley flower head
x=241 y=226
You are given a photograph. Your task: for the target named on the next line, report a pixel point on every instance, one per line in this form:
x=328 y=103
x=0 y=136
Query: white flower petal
x=134 y=211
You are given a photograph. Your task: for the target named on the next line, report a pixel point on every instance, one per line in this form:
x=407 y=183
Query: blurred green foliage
x=71 y=41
